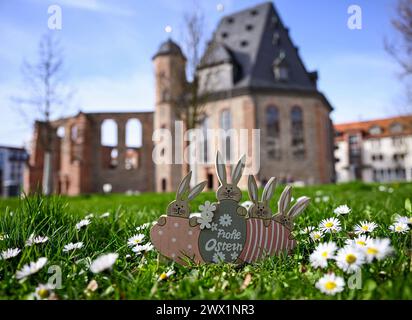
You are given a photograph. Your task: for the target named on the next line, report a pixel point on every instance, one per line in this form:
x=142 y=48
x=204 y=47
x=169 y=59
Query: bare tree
x=45 y=95
x=189 y=106
x=401 y=50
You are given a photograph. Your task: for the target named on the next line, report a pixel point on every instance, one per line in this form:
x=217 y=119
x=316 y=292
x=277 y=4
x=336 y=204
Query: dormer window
x=230 y=20
x=396 y=128
x=244 y=43
x=225 y=35
x=281 y=68
x=254 y=12
x=276 y=39
x=249 y=27
x=375 y=130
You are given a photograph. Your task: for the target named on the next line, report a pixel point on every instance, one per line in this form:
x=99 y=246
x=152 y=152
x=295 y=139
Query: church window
x=298 y=139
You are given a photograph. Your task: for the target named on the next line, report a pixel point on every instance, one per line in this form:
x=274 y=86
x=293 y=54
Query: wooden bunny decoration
x=176 y=234
x=225 y=240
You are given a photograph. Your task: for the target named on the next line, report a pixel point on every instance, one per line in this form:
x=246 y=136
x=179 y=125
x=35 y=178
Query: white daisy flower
x=325 y=198
x=330 y=284
x=103 y=262
x=319 y=192
x=3 y=236
x=399 y=227
x=31 y=268
x=135 y=240
x=218 y=257
x=342 y=210
x=35 y=240
x=145 y=225
x=72 y=246
x=9 y=253
x=43 y=291
x=318 y=199
x=247 y=204
x=225 y=220
x=330 y=225
x=391 y=190
x=365 y=227
x=83 y=223
x=166 y=275
x=382 y=188
x=143 y=248
x=105 y=215
x=323 y=252
x=316 y=235
x=350 y=259
x=307 y=230
x=403 y=219
x=377 y=249
x=89 y=216
x=359 y=242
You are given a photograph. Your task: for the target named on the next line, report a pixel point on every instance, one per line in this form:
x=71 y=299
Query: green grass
x=274 y=278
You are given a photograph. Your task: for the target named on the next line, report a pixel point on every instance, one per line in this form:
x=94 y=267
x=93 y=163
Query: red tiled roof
x=363 y=127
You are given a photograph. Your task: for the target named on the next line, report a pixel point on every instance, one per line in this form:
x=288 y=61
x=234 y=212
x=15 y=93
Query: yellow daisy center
x=329 y=224
x=361 y=243
x=330 y=285
x=372 y=251
x=350 y=258
x=43 y=293
x=317 y=236
x=365 y=228
x=163 y=276
x=325 y=254
x=398 y=228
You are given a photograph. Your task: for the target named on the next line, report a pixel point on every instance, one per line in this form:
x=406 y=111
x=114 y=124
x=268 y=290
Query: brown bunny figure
x=286 y=217
x=180 y=207
x=261 y=209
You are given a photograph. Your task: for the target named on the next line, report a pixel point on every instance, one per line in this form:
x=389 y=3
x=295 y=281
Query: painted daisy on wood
x=330 y=284
x=331 y=225
x=206 y=215
x=350 y=259
x=103 y=262
x=83 y=223
x=9 y=253
x=72 y=246
x=31 y=268
x=323 y=252
x=342 y=210
x=136 y=239
x=365 y=227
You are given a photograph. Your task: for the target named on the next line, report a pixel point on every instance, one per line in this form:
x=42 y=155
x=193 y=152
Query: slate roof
x=254 y=38
x=169 y=47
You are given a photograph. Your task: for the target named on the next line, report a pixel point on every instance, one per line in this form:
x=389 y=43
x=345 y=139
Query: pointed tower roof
x=255 y=38
x=169 y=47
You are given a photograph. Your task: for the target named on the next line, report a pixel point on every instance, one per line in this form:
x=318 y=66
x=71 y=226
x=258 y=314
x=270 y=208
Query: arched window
x=226 y=124
x=134 y=135
x=272 y=132
x=396 y=127
x=109 y=133
x=298 y=137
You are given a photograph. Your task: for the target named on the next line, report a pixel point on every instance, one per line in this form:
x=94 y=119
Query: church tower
x=170 y=72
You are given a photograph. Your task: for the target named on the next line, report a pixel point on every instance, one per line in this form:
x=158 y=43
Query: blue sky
x=109 y=44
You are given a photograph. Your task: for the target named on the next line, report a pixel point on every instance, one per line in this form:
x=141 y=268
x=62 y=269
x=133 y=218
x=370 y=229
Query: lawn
x=137 y=276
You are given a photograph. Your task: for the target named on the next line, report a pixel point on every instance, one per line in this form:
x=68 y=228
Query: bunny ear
x=220 y=169
x=237 y=172
x=299 y=207
x=196 y=190
x=269 y=190
x=183 y=186
x=284 y=200
x=252 y=189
